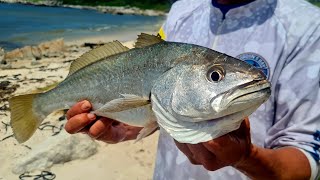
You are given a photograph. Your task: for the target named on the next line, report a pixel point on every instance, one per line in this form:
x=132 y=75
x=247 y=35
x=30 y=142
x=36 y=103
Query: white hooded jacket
x=282 y=38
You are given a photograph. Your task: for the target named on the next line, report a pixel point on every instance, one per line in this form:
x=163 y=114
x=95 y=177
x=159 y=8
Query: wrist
x=281 y=163
x=248 y=158
x=253 y=163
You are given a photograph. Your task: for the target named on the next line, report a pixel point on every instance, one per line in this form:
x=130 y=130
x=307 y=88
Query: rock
x=92 y=45
x=2 y=60
x=38 y=2
x=36 y=52
x=27 y=52
x=129 y=10
x=6 y=89
x=4 y=84
x=53 y=48
x=105 y=9
x=14 y=54
x=56 y=150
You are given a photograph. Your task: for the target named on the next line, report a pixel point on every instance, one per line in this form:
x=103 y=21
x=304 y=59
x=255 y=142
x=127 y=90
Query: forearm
x=283 y=163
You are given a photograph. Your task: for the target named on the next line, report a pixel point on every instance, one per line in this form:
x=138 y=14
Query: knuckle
x=82 y=118
x=106 y=137
x=94 y=133
x=68 y=114
x=68 y=129
x=210 y=167
x=85 y=105
x=192 y=161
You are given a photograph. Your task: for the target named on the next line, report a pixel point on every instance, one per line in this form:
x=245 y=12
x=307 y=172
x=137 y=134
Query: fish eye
x=215 y=74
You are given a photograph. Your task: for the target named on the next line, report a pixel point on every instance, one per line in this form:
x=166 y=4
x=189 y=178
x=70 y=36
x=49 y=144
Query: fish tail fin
x=24 y=121
x=148 y=129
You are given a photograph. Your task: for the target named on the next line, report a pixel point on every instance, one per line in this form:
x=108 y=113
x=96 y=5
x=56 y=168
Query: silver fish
x=194 y=93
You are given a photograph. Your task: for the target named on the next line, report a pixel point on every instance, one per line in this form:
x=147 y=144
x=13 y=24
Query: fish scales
x=107 y=79
x=192 y=92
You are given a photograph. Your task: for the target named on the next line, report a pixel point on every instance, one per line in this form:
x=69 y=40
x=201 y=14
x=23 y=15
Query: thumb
x=244 y=129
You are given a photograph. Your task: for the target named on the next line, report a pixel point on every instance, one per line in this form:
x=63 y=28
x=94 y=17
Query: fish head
x=208 y=85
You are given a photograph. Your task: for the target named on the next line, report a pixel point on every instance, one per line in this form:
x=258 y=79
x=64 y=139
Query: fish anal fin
x=108 y=49
x=147 y=40
x=129 y=101
x=147 y=130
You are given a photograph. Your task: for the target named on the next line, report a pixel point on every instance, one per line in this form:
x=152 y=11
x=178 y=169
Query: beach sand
x=125 y=160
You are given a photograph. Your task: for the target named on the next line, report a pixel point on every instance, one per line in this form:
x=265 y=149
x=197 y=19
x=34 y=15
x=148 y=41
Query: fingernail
x=85 y=106
x=91 y=116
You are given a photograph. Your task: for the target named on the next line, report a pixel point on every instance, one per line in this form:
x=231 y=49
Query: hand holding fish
x=228 y=150
x=103 y=129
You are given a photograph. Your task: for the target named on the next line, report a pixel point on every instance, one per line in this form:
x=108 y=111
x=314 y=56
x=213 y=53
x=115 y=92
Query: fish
x=192 y=92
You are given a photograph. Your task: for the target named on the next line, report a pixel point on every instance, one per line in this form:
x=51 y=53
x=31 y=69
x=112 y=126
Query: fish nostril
x=259 y=78
x=259 y=75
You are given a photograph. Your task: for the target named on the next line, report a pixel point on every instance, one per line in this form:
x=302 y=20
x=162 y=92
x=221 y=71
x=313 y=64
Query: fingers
x=213 y=146
x=78 y=108
x=244 y=127
x=100 y=126
x=78 y=122
x=185 y=149
x=199 y=155
x=204 y=156
x=114 y=133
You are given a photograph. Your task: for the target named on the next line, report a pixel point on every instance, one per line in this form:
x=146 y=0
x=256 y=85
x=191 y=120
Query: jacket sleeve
x=297 y=101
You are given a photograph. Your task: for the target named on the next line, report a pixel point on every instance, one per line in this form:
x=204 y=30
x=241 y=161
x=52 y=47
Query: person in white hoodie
x=282 y=39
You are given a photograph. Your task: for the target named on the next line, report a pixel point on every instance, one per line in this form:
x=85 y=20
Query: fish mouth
x=248 y=89
x=242 y=97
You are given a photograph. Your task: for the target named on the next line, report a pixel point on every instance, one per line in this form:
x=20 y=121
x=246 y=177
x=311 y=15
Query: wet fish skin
x=193 y=109
x=134 y=72
x=175 y=75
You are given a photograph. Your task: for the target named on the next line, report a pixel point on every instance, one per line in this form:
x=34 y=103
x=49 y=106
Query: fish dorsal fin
x=147 y=40
x=110 y=48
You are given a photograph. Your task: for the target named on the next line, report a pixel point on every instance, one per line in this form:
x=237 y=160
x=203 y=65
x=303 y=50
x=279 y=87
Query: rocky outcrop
x=120 y=10
x=104 y=9
x=56 y=150
x=53 y=48
x=129 y=10
x=2 y=53
x=39 y=3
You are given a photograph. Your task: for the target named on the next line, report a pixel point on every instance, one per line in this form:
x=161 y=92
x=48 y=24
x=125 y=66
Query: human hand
x=103 y=129
x=228 y=150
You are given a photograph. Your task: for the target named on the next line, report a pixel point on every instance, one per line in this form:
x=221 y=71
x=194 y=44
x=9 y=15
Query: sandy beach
x=126 y=160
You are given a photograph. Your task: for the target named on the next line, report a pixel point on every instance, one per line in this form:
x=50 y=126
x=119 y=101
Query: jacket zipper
x=218 y=33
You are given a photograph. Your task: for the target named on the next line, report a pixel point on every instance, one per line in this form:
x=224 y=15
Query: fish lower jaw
x=197 y=132
x=252 y=99
x=246 y=92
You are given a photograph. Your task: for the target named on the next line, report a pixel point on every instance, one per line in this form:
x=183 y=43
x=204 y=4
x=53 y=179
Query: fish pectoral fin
x=129 y=101
x=147 y=130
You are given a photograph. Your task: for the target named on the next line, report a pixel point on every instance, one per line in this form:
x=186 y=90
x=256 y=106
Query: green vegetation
x=162 y=5
x=35 y=1
x=315 y=2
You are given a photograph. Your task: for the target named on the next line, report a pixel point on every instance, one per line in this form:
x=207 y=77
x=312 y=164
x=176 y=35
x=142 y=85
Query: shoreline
x=116 y=10
x=127 y=160
x=124 y=38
